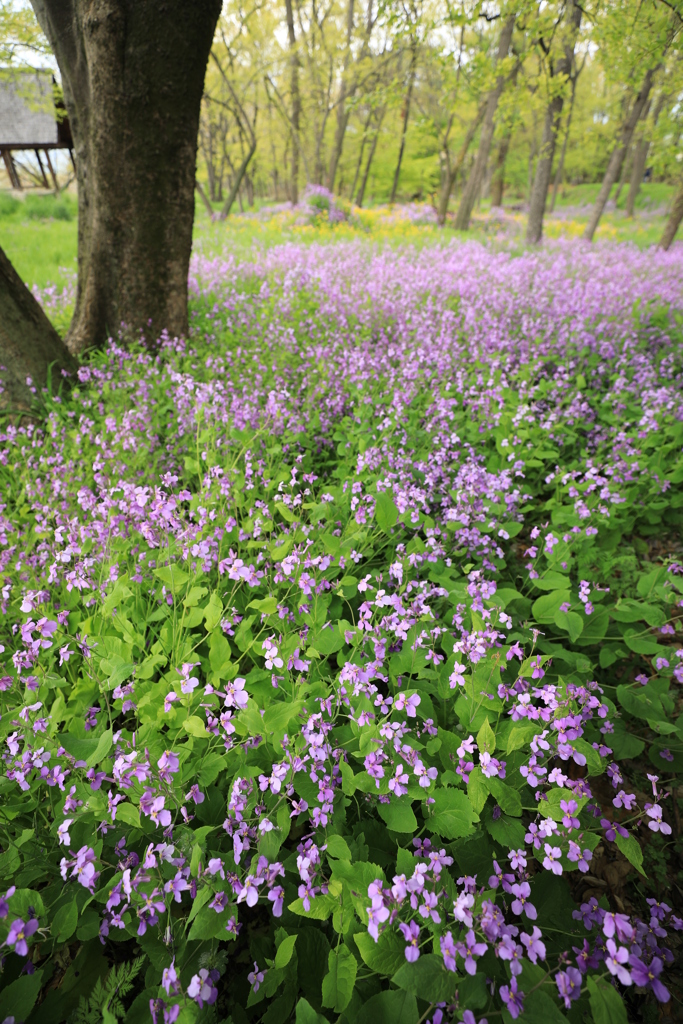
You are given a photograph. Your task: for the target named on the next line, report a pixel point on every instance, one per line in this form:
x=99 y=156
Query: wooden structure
x=31 y=120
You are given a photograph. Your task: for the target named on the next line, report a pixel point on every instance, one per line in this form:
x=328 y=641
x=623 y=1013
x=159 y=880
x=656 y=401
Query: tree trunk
x=342 y=112
x=132 y=73
x=371 y=156
x=469 y=196
x=296 y=102
x=675 y=218
x=551 y=126
x=361 y=152
x=29 y=344
x=618 y=154
x=563 y=153
x=237 y=182
x=406 y=115
x=498 y=180
x=640 y=159
x=453 y=169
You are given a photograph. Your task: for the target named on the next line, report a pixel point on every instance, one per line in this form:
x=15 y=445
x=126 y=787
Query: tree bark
x=295 y=118
x=619 y=153
x=551 y=126
x=640 y=159
x=453 y=169
x=469 y=196
x=406 y=116
x=371 y=155
x=133 y=74
x=563 y=152
x=675 y=218
x=29 y=344
x=239 y=177
x=498 y=179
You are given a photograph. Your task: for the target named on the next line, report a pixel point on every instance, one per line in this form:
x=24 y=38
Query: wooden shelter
x=31 y=120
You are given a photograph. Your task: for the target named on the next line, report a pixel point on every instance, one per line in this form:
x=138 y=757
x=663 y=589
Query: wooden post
x=42 y=169
x=11 y=169
x=73 y=162
x=52 y=170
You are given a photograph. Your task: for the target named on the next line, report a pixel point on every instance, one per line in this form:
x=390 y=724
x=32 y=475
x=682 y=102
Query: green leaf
x=65 y=921
x=128 y=813
x=285 y=511
x=428 y=979
x=399 y=816
x=284 y=951
x=547 y=606
x=172 y=577
x=210 y=768
x=607 y=1006
x=266 y=605
x=477 y=789
x=326 y=641
x=630 y=847
x=213 y=612
x=305 y=1014
x=101 y=750
x=486 y=738
x=338 y=848
x=386 y=512
x=539 y=1008
x=594 y=762
x=391 y=1007
x=19 y=998
x=384 y=956
x=220 y=654
x=452 y=816
x=507 y=798
x=321 y=908
x=348 y=779
x=339 y=982
x=551 y=581
x=195 y=727
x=569 y=622
x=278 y=716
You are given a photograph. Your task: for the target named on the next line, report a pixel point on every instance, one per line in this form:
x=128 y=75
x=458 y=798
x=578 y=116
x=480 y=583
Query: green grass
x=43 y=252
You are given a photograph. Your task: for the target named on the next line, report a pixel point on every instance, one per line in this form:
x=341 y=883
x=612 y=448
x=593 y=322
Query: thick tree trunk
x=640 y=159
x=498 y=180
x=453 y=169
x=133 y=73
x=371 y=156
x=619 y=154
x=551 y=126
x=473 y=186
x=675 y=218
x=295 y=101
x=404 y=126
x=29 y=344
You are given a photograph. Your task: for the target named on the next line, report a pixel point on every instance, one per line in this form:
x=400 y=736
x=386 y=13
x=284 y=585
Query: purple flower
x=568 y=985
x=617 y=957
x=551 y=861
x=411 y=933
x=513 y=999
x=521 y=903
x=471 y=949
x=19 y=933
x=648 y=977
x=256 y=977
x=4 y=905
x=534 y=947
x=202 y=988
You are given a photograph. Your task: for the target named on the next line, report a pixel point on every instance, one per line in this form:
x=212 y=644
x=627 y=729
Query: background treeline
x=382 y=100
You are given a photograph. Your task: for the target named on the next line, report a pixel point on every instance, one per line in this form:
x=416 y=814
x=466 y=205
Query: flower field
x=343 y=649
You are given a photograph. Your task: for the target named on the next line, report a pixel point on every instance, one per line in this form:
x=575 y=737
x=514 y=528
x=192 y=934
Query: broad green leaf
x=399 y=816
x=266 y=605
x=507 y=798
x=551 y=581
x=519 y=736
x=172 y=577
x=452 y=814
x=477 y=789
x=213 y=612
x=195 y=727
x=428 y=979
x=386 y=512
x=285 y=511
x=546 y=607
x=486 y=738
x=569 y=622
x=104 y=745
x=339 y=982
x=220 y=654
x=284 y=951
x=321 y=908
x=18 y=999
x=338 y=848
x=128 y=813
x=210 y=768
x=631 y=849
x=305 y=1014
x=65 y=921
x=607 y=1006
x=384 y=956
x=539 y=1008
x=391 y=1007
x=278 y=716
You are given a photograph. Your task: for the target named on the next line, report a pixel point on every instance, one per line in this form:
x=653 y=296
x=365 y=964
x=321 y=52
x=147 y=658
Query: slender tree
x=560 y=72
x=132 y=73
x=412 y=68
x=474 y=182
x=674 y=219
x=295 y=98
x=642 y=148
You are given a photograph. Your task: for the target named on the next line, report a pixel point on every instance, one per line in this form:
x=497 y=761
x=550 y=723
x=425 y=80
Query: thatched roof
x=27 y=109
